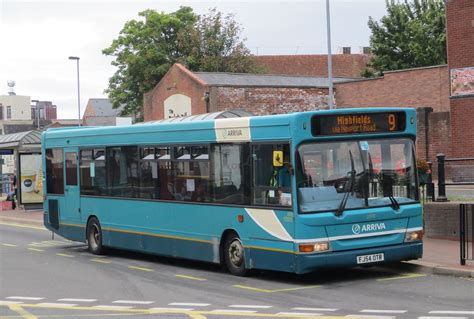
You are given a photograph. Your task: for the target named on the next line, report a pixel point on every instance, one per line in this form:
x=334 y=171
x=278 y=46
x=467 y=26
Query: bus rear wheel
x=94 y=237
x=234 y=255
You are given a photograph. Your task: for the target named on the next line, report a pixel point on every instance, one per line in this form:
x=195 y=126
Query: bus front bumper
x=343 y=259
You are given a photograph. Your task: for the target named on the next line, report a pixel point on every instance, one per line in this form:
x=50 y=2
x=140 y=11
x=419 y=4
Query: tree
x=146 y=49
x=412 y=34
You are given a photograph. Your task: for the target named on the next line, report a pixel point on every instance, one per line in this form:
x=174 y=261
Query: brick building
x=460 y=41
x=344 y=65
x=182 y=92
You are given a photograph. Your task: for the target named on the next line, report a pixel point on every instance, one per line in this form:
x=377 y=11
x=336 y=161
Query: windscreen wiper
x=348 y=188
x=392 y=199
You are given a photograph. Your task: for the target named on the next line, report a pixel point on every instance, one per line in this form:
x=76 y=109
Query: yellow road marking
x=275 y=290
x=35 y=249
x=65 y=255
x=140 y=268
x=102 y=261
x=191 y=277
x=23 y=226
x=8 y=245
x=22 y=312
x=137 y=311
x=404 y=276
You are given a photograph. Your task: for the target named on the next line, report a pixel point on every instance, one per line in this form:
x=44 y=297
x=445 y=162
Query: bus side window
x=54 y=171
x=271 y=184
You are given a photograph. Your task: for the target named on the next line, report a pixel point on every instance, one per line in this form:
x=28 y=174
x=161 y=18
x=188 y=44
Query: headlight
x=315 y=247
x=414 y=236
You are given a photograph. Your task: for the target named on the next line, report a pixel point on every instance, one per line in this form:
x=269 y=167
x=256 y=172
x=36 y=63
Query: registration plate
x=365 y=259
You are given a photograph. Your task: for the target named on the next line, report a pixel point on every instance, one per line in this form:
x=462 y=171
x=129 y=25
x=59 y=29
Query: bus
x=294 y=192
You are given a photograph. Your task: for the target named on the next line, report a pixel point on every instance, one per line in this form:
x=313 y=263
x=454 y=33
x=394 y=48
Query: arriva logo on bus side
x=357 y=229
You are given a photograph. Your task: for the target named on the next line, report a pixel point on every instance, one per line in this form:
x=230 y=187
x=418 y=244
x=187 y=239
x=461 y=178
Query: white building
x=15 y=107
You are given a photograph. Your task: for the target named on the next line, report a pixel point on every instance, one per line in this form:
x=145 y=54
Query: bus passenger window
x=92 y=172
x=54 y=171
x=271 y=184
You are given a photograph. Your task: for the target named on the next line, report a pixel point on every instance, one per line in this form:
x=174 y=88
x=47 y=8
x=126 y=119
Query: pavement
x=441 y=257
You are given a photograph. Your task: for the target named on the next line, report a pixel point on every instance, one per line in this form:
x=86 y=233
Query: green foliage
x=412 y=34
x=145 y=50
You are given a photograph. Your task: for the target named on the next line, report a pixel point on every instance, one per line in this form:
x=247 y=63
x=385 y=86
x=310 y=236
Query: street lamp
x=37 y=113
x=328 y=20
x=78 y=91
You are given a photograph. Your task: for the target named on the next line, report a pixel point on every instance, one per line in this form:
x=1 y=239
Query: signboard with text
x=462 y=81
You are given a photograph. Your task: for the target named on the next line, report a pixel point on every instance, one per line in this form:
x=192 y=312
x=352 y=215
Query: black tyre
x=234 y=255
x=94 y=237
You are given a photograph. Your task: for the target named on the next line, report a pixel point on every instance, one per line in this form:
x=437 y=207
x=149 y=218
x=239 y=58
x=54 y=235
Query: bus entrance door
x=71 y=185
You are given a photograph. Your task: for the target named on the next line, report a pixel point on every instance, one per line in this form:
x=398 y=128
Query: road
x=45 y=278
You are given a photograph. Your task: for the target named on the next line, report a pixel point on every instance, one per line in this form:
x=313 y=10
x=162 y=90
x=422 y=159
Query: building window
x=9 y=112
x=1 y=111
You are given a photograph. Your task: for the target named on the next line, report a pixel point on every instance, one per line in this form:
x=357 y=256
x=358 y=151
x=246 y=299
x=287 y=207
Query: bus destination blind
x=357 y=123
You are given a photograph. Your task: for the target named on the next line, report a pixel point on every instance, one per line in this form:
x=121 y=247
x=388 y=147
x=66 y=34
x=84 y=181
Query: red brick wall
x=270 y=100
x=344 y=65
x=178 y=80
x=460 y=36
x=407 y=88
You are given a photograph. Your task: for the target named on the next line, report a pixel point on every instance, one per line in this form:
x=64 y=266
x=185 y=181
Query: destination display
x=357 y=123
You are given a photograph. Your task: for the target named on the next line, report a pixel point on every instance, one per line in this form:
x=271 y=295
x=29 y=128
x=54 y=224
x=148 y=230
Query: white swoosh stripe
x=388 y=232
x=267 y=220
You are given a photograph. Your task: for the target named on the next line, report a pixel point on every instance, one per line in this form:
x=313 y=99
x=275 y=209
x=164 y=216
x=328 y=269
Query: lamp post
x=328 y=20
x=37 y=113
x=78 y=90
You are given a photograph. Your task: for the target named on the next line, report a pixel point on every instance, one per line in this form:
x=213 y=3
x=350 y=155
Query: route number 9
x=392 y=121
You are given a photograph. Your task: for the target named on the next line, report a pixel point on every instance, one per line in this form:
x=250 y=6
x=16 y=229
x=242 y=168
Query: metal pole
x=78 y=89
x=328 y=20
x=37 y=115
x=78 y=96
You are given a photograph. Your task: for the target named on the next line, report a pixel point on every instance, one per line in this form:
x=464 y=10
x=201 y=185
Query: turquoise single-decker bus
x=295 y=192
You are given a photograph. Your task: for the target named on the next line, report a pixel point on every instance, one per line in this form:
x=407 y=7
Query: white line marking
x=314 y=309
x=250 y=306
x=171 y=309
x=25 y=298
x=135 y=302
x=369 y=316
x=298 y=314
x=189 y=304
x=433 y=317
x=112 y=307
x=451 y=312
x=55 y=304
x=234 y=311
x=382 y=311
x=5 y=303
x=77 y=300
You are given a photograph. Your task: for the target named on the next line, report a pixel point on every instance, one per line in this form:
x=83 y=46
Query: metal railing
x=442 y=175
x=466 y=232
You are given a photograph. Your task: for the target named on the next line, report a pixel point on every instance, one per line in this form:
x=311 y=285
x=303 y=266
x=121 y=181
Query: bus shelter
x=25 y=147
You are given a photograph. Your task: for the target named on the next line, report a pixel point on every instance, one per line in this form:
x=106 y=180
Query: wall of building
x=178 y=80
x=271 y=100
x=344 y=65
x=20 y=106
x=406 y=88
x=460 y=39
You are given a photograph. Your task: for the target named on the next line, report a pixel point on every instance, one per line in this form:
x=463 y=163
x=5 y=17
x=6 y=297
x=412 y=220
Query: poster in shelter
x=31 y=179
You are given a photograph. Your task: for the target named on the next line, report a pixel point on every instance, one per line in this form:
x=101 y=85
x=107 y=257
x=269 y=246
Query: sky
x=37 y=37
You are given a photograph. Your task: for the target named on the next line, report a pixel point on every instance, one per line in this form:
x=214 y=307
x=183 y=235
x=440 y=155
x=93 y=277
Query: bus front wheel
x=94 y=236
x=234 y=255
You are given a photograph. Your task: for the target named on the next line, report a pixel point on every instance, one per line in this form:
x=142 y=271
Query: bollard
x=441 y=178
x=430 y=191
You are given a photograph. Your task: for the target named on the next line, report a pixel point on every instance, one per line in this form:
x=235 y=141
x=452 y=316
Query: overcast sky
x=37 y=37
